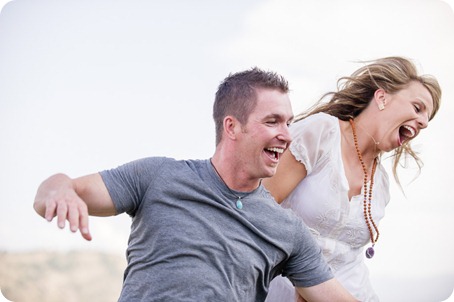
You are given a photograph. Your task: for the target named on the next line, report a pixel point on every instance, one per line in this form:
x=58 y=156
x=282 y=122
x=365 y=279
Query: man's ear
x=230 y=126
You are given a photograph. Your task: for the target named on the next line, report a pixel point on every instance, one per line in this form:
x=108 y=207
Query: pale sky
x=90 y=84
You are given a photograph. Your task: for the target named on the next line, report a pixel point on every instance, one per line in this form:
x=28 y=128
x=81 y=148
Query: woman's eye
x=417 y=108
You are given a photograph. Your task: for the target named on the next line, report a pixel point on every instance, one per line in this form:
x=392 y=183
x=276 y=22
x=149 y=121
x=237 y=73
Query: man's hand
x=57 y=197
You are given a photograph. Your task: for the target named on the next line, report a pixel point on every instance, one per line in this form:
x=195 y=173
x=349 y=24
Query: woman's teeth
x=410 y=132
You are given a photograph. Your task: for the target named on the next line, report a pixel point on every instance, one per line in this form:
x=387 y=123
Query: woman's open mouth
x=406 y=133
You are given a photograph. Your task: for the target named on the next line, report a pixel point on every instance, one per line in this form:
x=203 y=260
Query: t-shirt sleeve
x=307 y=266
x=128 y=183
x=312 y=139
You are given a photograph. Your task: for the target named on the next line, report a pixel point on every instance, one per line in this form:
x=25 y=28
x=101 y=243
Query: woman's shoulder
x=315 y=138
x=322 y=117
x=321 y=123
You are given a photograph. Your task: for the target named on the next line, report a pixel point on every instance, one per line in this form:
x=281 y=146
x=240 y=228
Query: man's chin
x=270 y=173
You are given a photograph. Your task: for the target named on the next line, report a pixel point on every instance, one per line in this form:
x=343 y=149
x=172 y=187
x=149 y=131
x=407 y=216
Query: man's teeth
x=277 y=150
x=411 y=130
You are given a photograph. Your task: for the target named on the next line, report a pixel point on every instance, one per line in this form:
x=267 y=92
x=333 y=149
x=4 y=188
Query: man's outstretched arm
x=73 y=200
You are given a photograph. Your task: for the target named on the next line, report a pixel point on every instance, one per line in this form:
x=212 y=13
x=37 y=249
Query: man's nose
x=284 y=134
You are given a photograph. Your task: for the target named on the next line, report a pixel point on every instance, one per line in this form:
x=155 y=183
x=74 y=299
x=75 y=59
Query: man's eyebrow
x=278 y=116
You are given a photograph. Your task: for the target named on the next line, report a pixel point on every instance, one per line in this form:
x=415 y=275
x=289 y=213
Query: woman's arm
x=289 y=174
x=327 y=291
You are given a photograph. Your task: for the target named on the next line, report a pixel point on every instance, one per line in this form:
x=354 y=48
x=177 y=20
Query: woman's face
x=405 y=114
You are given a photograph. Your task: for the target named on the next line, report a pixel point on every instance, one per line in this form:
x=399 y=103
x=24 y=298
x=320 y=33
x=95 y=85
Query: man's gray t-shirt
x=189 y=242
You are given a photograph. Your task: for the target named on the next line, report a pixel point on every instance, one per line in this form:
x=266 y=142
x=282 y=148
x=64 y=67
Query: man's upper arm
x=93 y=191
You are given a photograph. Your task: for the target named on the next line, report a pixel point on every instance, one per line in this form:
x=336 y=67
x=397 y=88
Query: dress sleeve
x=312 y=139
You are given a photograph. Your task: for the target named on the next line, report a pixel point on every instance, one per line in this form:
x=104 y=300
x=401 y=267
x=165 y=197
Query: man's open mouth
x=274 y=152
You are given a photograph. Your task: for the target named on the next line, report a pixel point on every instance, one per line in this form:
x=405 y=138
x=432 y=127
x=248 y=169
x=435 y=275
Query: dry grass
x=56 y=277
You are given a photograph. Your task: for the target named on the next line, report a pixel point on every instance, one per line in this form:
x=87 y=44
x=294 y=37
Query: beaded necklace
x=367 y=195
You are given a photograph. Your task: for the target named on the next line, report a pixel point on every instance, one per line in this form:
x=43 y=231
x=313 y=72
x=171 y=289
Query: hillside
x=55 y=277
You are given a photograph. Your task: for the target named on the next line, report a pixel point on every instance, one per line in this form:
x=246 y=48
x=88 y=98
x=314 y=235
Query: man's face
x=266 y=136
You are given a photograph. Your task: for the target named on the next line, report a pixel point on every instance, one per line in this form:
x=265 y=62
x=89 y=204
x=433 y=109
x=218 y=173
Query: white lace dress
x=321 y=200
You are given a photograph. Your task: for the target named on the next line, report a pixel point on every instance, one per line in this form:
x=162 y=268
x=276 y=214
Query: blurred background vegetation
x=61 y=276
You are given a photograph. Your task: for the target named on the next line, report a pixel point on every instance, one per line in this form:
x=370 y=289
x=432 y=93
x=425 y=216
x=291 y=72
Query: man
x=206 y=230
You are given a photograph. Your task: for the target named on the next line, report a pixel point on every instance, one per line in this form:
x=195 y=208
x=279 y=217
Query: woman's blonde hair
x=355 y=92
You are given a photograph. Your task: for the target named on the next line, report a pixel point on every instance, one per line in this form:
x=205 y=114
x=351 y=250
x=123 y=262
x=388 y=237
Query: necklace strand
x=367 y=195
x=375 y=142
x=239 y=203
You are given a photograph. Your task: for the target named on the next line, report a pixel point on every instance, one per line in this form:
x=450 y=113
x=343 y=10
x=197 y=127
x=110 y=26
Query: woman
x=332 y=175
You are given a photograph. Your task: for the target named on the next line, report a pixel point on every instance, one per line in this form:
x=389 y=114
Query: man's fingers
x=83 y=222
x=73 y=217
x=62 y=214
x=50 y=211
x=72 y=209
x=86 y=234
